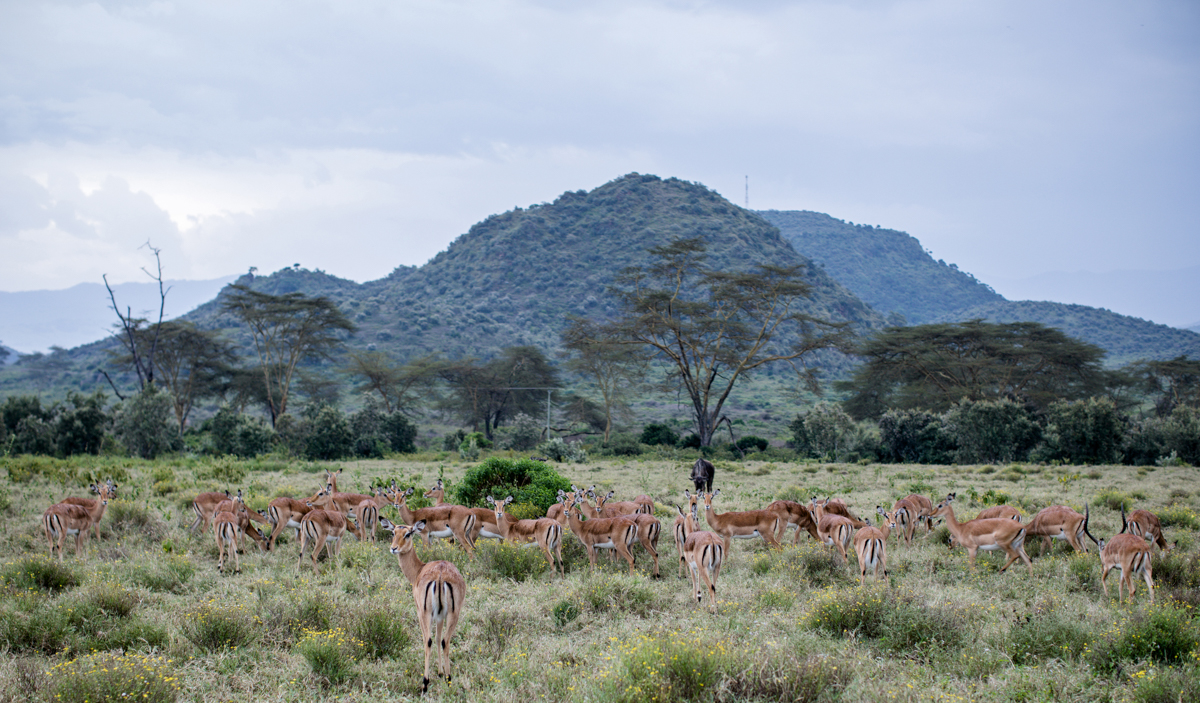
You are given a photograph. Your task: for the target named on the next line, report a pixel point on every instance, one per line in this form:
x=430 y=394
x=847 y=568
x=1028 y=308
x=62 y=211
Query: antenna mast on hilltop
x=747 y=192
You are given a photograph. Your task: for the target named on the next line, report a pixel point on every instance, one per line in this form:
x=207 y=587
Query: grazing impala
x=988 y=534
x=836 y=506
x=438 y=590
x=792 y=513
x=61 y=520
x=870 y=544
x=616 y=533
x=243 y=515
x=1004 y=511
x=704 y=553
x=228 y=533
x=1059 y=522
x=834 y=530
x=1142 y=523
x=107 y=491
x=544 y=532
x=684 y=525
x=321 y=528
x=1129 y=553
x=743 y=525
x=441 y=521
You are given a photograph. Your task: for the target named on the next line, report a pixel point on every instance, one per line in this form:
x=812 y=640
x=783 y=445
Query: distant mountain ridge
x=892 y=271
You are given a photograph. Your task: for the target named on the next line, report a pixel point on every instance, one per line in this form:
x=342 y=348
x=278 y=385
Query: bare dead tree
x=142 y=358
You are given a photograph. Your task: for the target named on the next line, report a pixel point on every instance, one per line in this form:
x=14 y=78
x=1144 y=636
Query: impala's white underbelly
x=605 y=545
x=442 y=533
x=989 y=547
x=293 y=524
x=749 y=536
x=488 y=534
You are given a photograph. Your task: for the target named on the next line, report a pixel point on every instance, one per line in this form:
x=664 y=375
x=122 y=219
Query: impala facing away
x=684 y=525
x=321 y=528
x=228 y=533
x=1129 y=553
x=704 y=552
x=107 y=491
x=834 y=530
x=286 y=512
x=1142 y=523
x=649 y=528
x=870 y=544
x=204 y=505
x=543 y=532
x=438 y=590
x=987 y=534
x=746 y=524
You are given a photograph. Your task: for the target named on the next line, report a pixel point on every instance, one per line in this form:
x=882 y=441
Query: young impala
x=544 y=532
x=743 y=525
x=438 y=590
x=704 y=552
x=682 y=526
x=1129 y=553
x=988 y=534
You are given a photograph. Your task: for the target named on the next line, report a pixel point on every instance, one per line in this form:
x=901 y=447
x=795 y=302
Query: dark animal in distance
x=702 y=475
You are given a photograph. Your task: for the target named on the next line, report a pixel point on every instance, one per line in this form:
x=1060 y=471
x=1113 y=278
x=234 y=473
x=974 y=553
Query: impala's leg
x=1149 y=581
x=628 y=555
x=653 y=552
x=711 y=583
x=694 y=580
x=448 y=634
x=427 y=640
x=237 y=563
x=199 y=517
x=1104 y=579
x=728 y=540
x=320 y=542
x=971 y=557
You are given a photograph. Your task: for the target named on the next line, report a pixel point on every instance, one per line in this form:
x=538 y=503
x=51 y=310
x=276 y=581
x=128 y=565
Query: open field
x=792 y=625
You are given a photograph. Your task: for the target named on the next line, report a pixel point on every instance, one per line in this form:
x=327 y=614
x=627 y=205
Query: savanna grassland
x=146 y=612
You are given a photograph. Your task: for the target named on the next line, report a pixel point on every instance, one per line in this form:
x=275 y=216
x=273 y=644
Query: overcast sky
x=1011 y=138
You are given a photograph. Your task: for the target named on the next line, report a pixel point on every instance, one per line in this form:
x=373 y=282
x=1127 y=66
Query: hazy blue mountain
x=33 y=321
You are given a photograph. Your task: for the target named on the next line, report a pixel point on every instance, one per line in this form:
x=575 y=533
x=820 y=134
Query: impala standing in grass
x=795 y=514
x=834 y=530
x=1142 y=523
x=704 y=553
x=617 y=533
x=61 y=520
x=870 y=544
x=683 y=526
x=441 y=521
x=1059 y=522
x=988 y=534
x=438 y=590
x=746 y=524
x=321 y=528
x=1129 y=553
x=543 y=531
x=107 y=491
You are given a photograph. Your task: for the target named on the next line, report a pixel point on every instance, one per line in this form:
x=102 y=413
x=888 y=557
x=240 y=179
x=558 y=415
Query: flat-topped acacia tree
x=713 y=327
x=286 y=329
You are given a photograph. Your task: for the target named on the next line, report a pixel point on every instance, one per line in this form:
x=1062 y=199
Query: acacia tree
x=612 y=366
x=1175 y=382
x=192 y=363
x=286 y=329
x=492 y=392
x=400 y=386
x=712 y=328
x=934 y=366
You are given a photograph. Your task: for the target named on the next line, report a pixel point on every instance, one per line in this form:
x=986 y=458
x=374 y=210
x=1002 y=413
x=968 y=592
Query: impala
x=989 y=534
x=834 y=530
x=792 y=513
x=836 y=506
x=543 y=531
x=649 y=528
x=1004 y=511
x=1142 y=523
x=704 y=553
x=438 y=590
x=441 y=521
x=286 y=512
x=1059 y=522
x=243 y=515
x=924 y=510
x=485 y=520
x=558 y=511
x=61 y=520
x=204 y=505
x=623 y=507
x=107 y=491
x=870 y=544
x=684 y=526
x=906 y=513
x=321 y=528
x=617 y=533
x=228 y=533
x=743 y=525
x=1129 y=553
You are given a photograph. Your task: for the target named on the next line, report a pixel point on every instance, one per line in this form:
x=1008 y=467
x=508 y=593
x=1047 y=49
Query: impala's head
x=941 y=509
x=692 y=499
x=708 y=498
x=400 y=498
x=403 y=536
x=887 y=518
x=498 y=506
x=438 y=491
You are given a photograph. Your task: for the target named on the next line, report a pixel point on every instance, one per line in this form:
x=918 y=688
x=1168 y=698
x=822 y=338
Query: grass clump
x=129 y=517
x=33 y=627
x=1162 y=633
x=1179 y=516
x=1114 y=500
x=496 y=629
x=896 y=621
x=168 y=574
x=331 y=654
x=383 y=632
x=1084 y=573
x=212 y=626
x=565 y=612
x=1169 y=685
x=38 y=573
x=1046 y=633
x=603 y=594
x=112 y=677
x=504 y=560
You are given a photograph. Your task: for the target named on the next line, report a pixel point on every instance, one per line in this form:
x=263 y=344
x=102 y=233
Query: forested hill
x=515 y=277
x=891 y=271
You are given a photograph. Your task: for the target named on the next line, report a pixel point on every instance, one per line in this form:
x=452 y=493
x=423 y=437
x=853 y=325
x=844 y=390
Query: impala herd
x=320 y=522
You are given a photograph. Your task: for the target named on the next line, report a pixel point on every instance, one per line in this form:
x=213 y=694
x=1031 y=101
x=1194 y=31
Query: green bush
x=114 y=677
x=991 y=431
x=238 y=434
x=604 y=593
x=750 y=443
x=1179 y=516
x=657 y=433
x=826 y=432
x=39 y=573
x=1044 y=634
x=383 y=632
x=126 y=516
x=1169 y=685
x=565 y=612
x=1113 y=500
x=562 y=451
x=897 y=622
x=521 y=435
x=1181 y=434
x=145 y=424
x=226 y=471
x=331 y=654
x=623 y=445
x=377 y=431
x=30 y=626
x=480 y=439
x=1083 y=432
x=527 y=481
x=1163 y=633
x=328 y=434
x=505 y=560
x=691 y=441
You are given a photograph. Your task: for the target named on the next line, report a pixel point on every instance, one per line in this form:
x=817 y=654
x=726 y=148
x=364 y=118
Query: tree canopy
x=932 y=367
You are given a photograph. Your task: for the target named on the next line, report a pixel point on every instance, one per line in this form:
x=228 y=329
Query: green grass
x=791 y=624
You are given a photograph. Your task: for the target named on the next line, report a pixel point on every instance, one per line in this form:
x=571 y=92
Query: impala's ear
x=679 y=510
x=717 y=493
x=879 y=509
x=409 y=492
x=393 y=484
x=420 y=526
x=490 y=500
x=508 y=500
x=610 y=495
